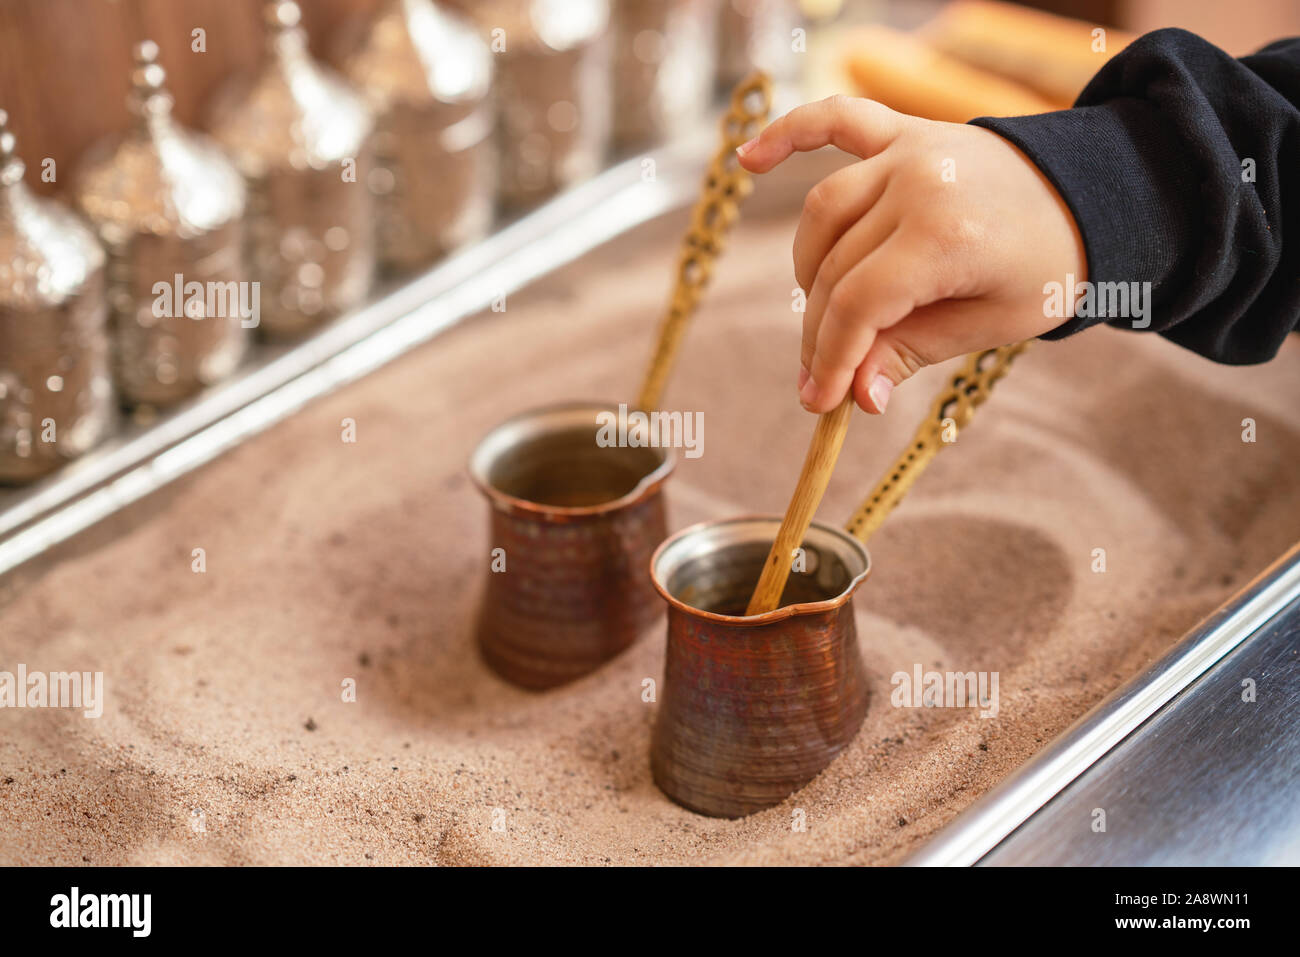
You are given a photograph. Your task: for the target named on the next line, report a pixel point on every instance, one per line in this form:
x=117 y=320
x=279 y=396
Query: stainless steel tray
x=1134 y=733
x=1187 y=772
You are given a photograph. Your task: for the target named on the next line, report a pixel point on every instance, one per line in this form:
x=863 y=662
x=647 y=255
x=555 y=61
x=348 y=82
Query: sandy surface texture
x=225 y=739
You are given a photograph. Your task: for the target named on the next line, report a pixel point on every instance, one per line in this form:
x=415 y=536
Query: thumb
x=889 y=362
x=928 y=335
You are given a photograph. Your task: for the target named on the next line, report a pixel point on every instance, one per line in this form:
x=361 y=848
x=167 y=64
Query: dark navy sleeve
x=1181 y=165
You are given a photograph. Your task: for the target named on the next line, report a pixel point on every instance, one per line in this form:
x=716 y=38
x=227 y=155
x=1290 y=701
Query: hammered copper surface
x=55 y=394
x=576 y=525
x=168 y=207
x=426 y=74
x=752 y=709
x=301 y=136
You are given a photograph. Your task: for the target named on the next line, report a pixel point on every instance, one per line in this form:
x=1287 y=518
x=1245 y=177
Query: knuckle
x=839 y=109
x=829 y=272
x=838 y=102
x=957 y=234
x=956 y=242
x=817 y=204
x=840 y=302
x=911 y=360
x=875 y=111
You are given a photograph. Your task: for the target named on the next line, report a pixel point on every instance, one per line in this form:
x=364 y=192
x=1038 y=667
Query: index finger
x=856 y=125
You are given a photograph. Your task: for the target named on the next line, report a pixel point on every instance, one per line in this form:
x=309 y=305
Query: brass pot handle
x=952 y=410
x=725 y=186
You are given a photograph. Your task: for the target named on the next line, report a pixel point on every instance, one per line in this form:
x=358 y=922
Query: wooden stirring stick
x=725 y=185
x=955 y=405
x=816 y=475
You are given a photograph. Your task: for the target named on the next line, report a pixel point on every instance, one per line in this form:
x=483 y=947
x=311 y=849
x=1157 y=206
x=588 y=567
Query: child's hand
x=904 y=266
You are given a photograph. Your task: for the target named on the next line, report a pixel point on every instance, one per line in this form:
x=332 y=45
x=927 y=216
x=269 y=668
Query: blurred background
x=64 y=63
x=290 y=161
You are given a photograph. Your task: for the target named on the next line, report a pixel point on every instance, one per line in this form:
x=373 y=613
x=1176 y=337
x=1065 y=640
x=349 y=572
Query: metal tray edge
x=125 y=470
x=988 y=821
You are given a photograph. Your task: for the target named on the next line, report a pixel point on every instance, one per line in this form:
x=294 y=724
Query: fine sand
x=224 y=739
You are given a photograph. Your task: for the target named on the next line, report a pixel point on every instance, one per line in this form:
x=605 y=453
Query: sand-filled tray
x=226 y=736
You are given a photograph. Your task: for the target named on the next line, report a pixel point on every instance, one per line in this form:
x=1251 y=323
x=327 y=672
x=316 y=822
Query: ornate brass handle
x=726 y=184
x=952 y=410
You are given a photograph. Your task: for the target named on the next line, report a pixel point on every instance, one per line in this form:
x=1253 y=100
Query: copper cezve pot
x=576 y=524
x=753 y=708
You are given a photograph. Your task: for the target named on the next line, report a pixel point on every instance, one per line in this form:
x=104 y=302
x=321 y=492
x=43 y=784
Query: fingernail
x=879 y=392
x=745 y=147
x=803 y=377
x=808 y=392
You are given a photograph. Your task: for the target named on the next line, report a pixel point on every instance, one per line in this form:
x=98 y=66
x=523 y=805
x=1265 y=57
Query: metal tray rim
x=128 y=468
x=994 y=816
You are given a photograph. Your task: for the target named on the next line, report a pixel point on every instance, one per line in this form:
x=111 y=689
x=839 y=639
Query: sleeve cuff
x=1117 y=167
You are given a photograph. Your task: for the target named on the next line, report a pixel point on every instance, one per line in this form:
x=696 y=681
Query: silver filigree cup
x=427 y=76
x=664 y=64
x=302 y=138
x=553 y=91
x=758 y=35
x=168 y=207
x=56 y=397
